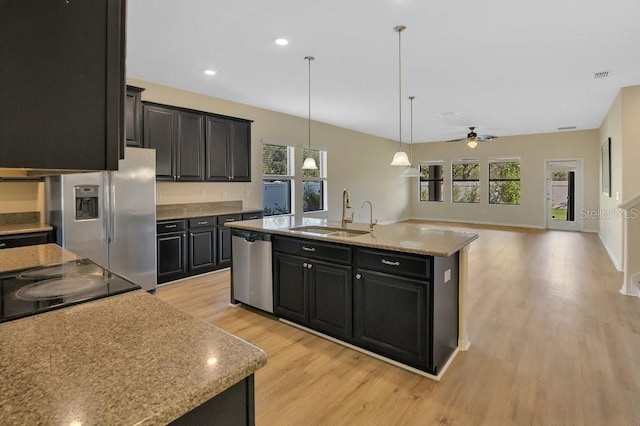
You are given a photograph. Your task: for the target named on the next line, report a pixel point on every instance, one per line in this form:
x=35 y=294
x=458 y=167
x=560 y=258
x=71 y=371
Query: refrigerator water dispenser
x=86 y=198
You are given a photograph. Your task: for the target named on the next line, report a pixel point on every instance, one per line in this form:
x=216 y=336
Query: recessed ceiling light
x=281 y=41
x=210 y=72
x=447 y=114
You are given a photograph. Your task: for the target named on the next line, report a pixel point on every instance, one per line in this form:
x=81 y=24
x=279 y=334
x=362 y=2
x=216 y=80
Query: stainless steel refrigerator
x=110 y=217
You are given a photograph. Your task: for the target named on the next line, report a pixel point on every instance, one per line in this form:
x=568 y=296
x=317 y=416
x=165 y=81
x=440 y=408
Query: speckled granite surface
x=30 y=256
x=184 y=211
x=427 y=240
x=127 y=359
x=21 y=223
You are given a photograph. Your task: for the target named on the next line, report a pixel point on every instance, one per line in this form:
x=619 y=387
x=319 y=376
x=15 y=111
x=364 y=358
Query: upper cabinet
x=62 y=77
x=133 y=117
x=197 y=146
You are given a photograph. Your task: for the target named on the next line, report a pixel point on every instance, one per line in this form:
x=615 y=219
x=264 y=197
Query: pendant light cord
x=400 y=28
x=411 y=98
x=309 y=59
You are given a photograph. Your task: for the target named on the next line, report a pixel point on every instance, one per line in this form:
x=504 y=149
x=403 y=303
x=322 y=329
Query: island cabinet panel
x=291 y=288
x=313 y=285
x=391 y=316
x=331 y=298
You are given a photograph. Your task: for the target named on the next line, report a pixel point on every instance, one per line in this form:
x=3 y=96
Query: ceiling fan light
x=309 y=164
x=400 y=159
x=410 y=172
x=472 y=143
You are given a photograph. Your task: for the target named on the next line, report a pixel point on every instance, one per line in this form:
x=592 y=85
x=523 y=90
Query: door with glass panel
x=564 y=194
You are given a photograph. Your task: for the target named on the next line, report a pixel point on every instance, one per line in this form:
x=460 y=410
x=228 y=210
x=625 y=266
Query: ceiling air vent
x=601 y=74
x=567 y=128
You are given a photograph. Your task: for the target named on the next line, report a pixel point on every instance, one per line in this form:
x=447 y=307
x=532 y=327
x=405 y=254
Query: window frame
x=289 y=177
x=454 y=180
x=440 y=163
x=489 y=179
x=322 y=177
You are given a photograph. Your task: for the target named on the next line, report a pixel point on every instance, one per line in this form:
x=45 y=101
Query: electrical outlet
x=447 y=276
x=203 y=192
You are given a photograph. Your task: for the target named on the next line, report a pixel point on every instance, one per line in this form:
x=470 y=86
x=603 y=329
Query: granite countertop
x=426 y=240
x=186 y=211
x=124 y=359
x=24 y=228
x=31 y=256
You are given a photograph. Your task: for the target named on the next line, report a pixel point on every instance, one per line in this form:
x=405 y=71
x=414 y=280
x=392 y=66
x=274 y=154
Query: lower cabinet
x=224 y=239
x=202 y=245
x=172 y=252
x=399 y=305
x=312 y=292
x=233 y=407
x=26 y=239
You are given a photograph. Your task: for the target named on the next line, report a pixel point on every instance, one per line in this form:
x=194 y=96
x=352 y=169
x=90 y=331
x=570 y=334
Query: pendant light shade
x=411 y=171
x=472 y=143
x=309 y=162
x=400 y=158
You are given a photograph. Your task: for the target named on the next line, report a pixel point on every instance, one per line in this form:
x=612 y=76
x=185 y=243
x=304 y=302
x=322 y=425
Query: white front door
x=563 y=203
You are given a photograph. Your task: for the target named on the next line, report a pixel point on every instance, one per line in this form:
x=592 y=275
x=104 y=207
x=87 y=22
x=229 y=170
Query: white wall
x=532 y=150
x=356 y=161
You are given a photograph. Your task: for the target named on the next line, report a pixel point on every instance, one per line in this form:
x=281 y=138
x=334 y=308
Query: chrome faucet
x=372 y=221
x=346 y=205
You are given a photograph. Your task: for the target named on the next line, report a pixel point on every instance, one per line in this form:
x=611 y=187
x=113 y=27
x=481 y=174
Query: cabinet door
x=133 y=117
x=172 y=252
x=391 y=316
x=240 y=149
x=202 y=250
x=27 y=239
x=331 y=298
x=158 y=134
x=217 y=149
x=224 y=246
x=291 y=290
x=189 y=141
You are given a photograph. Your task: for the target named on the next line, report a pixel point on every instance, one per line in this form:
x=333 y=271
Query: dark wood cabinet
x=178 y=138
x=172 y=250
x=313 y=292
x=133 y=117
x=69 y=115
x=224 y=239
x=391 y=316
x=159 y=134
x=228 y=153
x=26 y=239
x=202 y=250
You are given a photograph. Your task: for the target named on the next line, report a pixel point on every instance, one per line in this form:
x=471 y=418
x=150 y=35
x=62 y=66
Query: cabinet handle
x=3 y=245
x=358 y=276
x=253 y=217
x=304 y=265
x=386 y=262
x=203 y=222
x=170 y=226
x=305 y=248
x=228 y=220
x=309 y=266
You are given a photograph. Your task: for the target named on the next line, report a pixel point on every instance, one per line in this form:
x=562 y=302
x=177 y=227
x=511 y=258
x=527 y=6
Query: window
x=504 y=181
x=465 y=184
x=314 y=182
x=431 y=182
x=277 y=170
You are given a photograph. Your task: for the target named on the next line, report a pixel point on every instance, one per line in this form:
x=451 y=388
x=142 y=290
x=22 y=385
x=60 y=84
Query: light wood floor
x=552 y=343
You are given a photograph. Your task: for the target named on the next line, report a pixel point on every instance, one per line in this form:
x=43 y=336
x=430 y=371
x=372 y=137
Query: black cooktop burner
x=35 y=290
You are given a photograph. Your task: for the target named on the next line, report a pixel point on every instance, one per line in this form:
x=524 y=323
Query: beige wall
x=356 y=161
x=16 y=197
x=532 y=150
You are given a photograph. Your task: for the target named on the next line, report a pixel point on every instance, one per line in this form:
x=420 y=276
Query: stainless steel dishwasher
x=251 y=277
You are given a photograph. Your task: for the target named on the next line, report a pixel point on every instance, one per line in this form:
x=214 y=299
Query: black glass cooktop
x=44 y=288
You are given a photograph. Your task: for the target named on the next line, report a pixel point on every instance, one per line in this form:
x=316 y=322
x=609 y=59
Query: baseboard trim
x=616 y=264
x=375 y=355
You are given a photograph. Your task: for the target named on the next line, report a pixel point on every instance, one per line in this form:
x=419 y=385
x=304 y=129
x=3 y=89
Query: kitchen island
x=124 y=359
x=397 y=292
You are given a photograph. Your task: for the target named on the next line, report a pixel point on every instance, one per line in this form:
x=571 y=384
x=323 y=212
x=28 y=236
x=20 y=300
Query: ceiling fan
x=473 y=138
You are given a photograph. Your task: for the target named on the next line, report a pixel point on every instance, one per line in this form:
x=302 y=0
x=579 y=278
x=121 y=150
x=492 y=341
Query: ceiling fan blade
x=457 y=140
x=485 y=138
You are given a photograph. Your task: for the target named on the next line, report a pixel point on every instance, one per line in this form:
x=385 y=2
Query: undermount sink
x=326 y=230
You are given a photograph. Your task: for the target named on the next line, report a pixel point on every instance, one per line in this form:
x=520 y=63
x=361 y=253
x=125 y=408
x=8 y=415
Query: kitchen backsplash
x=178 y=210
x=19 y=218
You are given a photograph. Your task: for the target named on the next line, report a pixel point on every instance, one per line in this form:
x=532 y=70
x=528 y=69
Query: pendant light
x=411 y=171
x=400 y=158
x=309 y=162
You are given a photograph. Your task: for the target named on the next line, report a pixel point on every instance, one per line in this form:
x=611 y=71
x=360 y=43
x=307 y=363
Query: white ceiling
x=506 y=66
